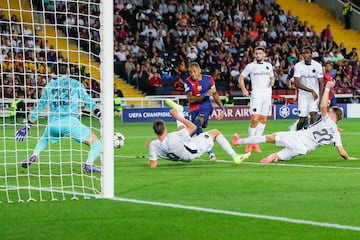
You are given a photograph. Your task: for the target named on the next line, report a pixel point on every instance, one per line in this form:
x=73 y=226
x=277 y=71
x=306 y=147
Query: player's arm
x=33 y=116
x=321 y=86
x=152 y=155
x=89 y=102
x=194 y=99
x=299 y=85
x=190 y=96
x=344 y=154
x=219 y=103
x=272 y=76
x=272 y=81
x=190 y=127
x=241 y=84
x=218 y=100
x=325 y=98
x=41 y=104
x=289 y=83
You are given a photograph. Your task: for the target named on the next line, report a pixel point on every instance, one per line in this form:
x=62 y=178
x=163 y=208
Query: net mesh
x=34 y=36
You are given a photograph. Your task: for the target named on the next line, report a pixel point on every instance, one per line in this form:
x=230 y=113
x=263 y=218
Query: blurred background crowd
x=155 y=40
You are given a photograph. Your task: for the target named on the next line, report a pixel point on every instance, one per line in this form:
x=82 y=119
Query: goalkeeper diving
x=63 y=96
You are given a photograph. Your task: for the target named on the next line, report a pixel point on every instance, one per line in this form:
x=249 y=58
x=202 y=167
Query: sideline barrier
x=231 y=113
x=146 y=112
x=290 y=111
x=151 y=114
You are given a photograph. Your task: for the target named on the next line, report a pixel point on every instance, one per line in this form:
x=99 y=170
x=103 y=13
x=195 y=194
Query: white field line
x=247 y=163
x=202 y=209
x=261 y=164
x=240 y=214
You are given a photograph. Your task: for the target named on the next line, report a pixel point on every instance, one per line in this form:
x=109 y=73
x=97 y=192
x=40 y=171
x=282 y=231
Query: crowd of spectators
x=155 y=40
x=28 y=62
x=164 y=36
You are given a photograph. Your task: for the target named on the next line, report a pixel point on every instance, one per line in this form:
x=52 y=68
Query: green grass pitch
x=315 y=196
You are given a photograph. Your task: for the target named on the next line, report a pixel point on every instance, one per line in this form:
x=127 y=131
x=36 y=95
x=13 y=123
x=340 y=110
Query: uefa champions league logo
x=284 y=111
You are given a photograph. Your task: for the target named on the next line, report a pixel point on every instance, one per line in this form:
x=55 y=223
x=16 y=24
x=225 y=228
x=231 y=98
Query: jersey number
x=60 y=96
x=322 y=136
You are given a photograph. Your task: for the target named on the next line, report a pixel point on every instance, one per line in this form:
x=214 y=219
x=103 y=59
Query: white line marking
x=201 y=209
x=262 y=164
x=240 y=214
x=294 y=165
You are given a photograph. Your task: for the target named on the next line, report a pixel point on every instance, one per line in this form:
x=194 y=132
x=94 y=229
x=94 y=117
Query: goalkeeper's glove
x=21 y=133
x=98 y=113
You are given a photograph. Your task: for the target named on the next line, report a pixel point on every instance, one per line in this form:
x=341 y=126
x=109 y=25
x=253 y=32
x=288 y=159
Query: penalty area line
x=239 y=214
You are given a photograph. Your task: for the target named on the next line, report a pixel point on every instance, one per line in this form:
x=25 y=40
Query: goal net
x=36 y=35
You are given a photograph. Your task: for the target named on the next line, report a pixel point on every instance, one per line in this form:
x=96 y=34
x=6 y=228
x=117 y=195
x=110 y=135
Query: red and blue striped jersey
x=199 y=88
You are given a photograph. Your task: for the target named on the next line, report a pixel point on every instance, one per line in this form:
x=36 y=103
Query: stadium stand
x=320 y=18
x=221 y=35
x=217 y=35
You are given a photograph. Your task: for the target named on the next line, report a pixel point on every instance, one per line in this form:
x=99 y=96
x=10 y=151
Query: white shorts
x=292 y=143
x=307 y=104
x=260 y=104
x=204 y=142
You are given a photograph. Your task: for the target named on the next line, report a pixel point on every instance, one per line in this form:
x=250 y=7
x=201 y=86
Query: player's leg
x=313 y=111
x=301 y=123
x=313 y=117
x=283 y=155
x=197 y=117
x=293 y=126
x=203 y=116
x=225 y=145
x=261 y=125
x=259 y=131
x=179 y=108
x=200 y=119
x=82 y=134
x=304 y=106
x=93 y=154
x=265 y=111
x=40 y=146
x=252 y=130
x=254 y=139
x=255 y=111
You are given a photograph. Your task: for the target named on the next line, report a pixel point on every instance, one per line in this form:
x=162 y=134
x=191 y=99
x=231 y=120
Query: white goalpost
x=35 y=35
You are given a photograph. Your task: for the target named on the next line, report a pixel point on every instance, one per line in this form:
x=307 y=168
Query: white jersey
x=260 y=74
x=309 y=75
x=180 y=146
x=323 y=132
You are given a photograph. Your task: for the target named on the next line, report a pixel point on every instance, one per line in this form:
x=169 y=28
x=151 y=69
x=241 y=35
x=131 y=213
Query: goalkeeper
x=63 y=96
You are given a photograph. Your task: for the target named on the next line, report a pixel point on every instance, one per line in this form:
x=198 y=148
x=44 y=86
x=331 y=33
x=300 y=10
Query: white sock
x=89 y=161
x=253 y=140
x=260 y=129
x=225 y=145
x=178 y=123
x=251 y=131
x=36 y=153
x=293 y=126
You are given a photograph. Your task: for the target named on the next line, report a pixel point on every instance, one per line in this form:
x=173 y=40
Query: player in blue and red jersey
x=328 y=76
x=199 y=88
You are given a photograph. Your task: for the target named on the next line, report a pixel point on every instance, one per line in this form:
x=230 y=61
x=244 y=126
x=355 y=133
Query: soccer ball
x=119 y=140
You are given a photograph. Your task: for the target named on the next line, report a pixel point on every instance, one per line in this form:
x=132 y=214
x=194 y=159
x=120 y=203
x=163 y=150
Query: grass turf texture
x=317 y=194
